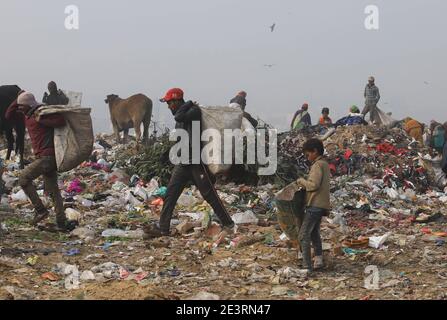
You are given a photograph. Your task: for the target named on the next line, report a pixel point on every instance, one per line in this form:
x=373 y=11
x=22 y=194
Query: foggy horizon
x=321 y=54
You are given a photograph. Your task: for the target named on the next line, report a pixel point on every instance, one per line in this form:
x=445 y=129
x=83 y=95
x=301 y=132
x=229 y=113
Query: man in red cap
x=185 y=113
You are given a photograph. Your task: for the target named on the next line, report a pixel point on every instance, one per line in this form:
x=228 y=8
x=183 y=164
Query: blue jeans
x=310 y=232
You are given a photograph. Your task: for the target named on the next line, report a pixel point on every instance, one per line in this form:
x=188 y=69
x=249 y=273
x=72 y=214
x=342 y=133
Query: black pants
x=310 y=233
x=198 y=174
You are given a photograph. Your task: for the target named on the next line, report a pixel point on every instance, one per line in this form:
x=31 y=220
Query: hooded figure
x=56 y=96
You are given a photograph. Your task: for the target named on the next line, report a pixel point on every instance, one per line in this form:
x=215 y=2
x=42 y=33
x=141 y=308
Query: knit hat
x=27 y=99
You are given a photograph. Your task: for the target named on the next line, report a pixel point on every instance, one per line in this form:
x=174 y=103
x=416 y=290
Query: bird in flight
x=269 y=65
x=426 y=82
x=272 y=27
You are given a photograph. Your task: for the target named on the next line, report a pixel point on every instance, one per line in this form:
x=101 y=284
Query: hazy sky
x=212 y=48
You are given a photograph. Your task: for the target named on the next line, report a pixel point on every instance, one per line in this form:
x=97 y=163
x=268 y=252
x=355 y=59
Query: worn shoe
x=153 y=231
x=39 y=216
x=67 y=227
x=226 y=232
x=318 y=263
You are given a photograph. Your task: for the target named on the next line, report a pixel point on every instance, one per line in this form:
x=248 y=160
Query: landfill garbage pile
x=387 y=217
x=373 y=151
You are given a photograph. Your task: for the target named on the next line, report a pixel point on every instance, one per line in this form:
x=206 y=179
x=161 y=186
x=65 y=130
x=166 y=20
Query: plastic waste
x=377 y=242
x=75 y=186
x=141 y=192
x=187 y=201
x=119 y=186
x=161 y=192
x=152 y=186
x=19 y=196
x=133 y=234
x=73 y=214
x=72 y=252
x=247 y=217
x=131 y=199
x=9 y=181
x=134 y=180
x=392 y=194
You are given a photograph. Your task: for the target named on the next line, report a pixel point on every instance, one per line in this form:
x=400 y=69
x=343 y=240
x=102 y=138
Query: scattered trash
x=51 y=276
x=377 y=242
x=247 y=217
x=31 y=261
x=384 y=193
x=72 y=252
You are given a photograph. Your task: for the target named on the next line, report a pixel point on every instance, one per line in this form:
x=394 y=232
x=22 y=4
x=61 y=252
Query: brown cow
x=130 y=113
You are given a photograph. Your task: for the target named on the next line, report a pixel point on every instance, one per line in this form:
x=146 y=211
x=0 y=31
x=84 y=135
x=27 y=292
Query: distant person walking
x=55 y=97
x=372 y=98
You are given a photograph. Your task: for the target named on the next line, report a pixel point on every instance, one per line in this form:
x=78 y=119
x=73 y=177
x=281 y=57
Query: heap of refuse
x=388 y=202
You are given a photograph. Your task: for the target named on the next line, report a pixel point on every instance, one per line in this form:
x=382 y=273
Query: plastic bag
x=19 y=196
x=377 y=242
x=187 y=201
x=247 y=217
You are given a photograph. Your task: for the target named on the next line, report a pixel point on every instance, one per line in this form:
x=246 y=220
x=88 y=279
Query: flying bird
x=272 y=27
x=269 y=65
x=426 y=82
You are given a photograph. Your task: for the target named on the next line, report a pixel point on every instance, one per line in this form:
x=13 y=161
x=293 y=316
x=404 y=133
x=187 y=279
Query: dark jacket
x=40 y=132
x=250 y=119
x=240 y=100
x=8 y=94
x=58 y=99
x=184 y=116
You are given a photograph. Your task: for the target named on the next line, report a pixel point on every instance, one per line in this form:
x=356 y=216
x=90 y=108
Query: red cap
x=172 y=94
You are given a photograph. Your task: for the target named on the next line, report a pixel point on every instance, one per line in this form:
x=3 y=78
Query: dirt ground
x=410 y=271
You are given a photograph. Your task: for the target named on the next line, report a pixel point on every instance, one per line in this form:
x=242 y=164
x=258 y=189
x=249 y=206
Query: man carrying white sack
x=185 y=113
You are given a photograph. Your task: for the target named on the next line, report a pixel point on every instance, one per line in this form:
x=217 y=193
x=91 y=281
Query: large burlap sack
x=219 y=118
x=74 y=98
x=73 y=143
